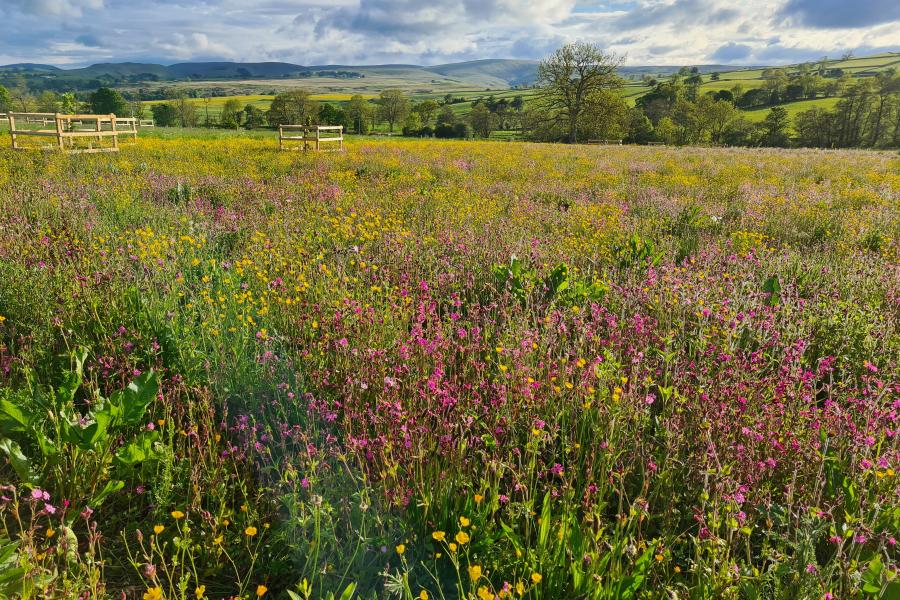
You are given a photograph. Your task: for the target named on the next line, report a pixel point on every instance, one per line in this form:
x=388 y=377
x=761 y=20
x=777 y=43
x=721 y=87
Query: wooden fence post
x=59 y=132
x=12 y=130
x=115 y=136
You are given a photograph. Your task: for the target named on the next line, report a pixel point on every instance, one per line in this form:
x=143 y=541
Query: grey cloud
x=732 y=52
x=677 y=14
x=840 y=14
x=89 y=39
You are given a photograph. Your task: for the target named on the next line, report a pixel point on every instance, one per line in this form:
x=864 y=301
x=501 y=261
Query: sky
x=72 y=33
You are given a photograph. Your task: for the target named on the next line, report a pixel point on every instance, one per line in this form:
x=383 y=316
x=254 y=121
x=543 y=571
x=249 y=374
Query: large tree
x=359 y=111
x=293 y=108
x=426 y=110
x=107 y=101
x=571 y=76
x=482 y=120
x=393 y=106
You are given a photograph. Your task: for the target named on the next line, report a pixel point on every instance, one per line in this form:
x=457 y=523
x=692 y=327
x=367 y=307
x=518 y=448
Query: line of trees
x=580 y=99
x=102 y=101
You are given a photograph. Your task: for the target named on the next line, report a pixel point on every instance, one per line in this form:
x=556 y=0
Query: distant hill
x=492 y=73
x=231 y=78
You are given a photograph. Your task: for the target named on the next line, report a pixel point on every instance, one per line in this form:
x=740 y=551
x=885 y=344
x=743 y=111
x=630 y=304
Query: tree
x=483 y=121
x=165 y=114
x=426 y=110
x=231 y=114
x=20 y=94
x=186 y=111
x=48 y=102
x=293 y=108
x=412 y=124
x=640 y=129
x=393 y=106
x=605 y=116
x=254 y=118
x=815 y=128
x=106 y=101
x=329 y=114
x=69 y=103
x=774 y=128
x=359 y=111
x=5 y=100
x=136 y=108
x=569 y=77
x=447 y=116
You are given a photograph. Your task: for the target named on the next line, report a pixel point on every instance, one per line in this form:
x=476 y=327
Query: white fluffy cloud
x=416 y=31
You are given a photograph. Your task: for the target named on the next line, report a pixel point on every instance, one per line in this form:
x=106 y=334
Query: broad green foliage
x=448 y=370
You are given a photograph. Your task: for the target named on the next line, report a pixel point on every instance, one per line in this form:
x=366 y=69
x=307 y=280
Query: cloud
x=731 y=52
x=88 y=39
x=840 y=14
x=309 y=32
x=69 y=8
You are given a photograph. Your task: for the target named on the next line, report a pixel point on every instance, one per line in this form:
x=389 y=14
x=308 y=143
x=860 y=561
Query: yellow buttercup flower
x=177 y=514
x=464 y=522
x=452 y=547
x=423 y=595
x=474 y=572
x=199 y=592
x=401 y=549
x=154 y=593
x=250 y=531
x=462 y=538
x=485 y=594
x=536 y=578
x=520 y=588
x=438 y=536
x=158 y=529
x=261 y=590
x=478 y=498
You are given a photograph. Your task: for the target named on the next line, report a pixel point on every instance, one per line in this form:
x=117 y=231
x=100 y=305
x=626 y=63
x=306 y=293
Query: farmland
x=426 y=369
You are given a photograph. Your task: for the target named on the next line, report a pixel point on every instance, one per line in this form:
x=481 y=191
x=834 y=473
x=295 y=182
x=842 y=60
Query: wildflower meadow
x=449 y=370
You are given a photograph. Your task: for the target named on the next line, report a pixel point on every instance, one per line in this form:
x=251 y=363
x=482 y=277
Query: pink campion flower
x=892 y=541
x=828 y=596
x=811 y=568
x=304 y=483
x=650 y=399
x=865 y=463
x=38 y=494
x=557 y=469
x=87 y=512
x=49 y=508
x=859 y=538
x=870 y=367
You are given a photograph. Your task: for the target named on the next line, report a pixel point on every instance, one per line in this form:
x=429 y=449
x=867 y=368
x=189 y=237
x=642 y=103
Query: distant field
x=792 y=108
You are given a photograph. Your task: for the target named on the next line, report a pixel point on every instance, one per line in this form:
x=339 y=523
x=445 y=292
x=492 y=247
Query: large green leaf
x=134 y=399
x=111 y=487
x=138 y=450
x=14 y=418
x=20 y=463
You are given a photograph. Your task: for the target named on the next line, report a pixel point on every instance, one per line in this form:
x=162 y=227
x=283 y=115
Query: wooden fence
x=311 y=134
x=71 y=131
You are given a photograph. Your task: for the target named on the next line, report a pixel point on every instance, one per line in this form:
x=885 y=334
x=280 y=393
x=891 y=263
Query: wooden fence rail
x=96 y=129
x=309 y=134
